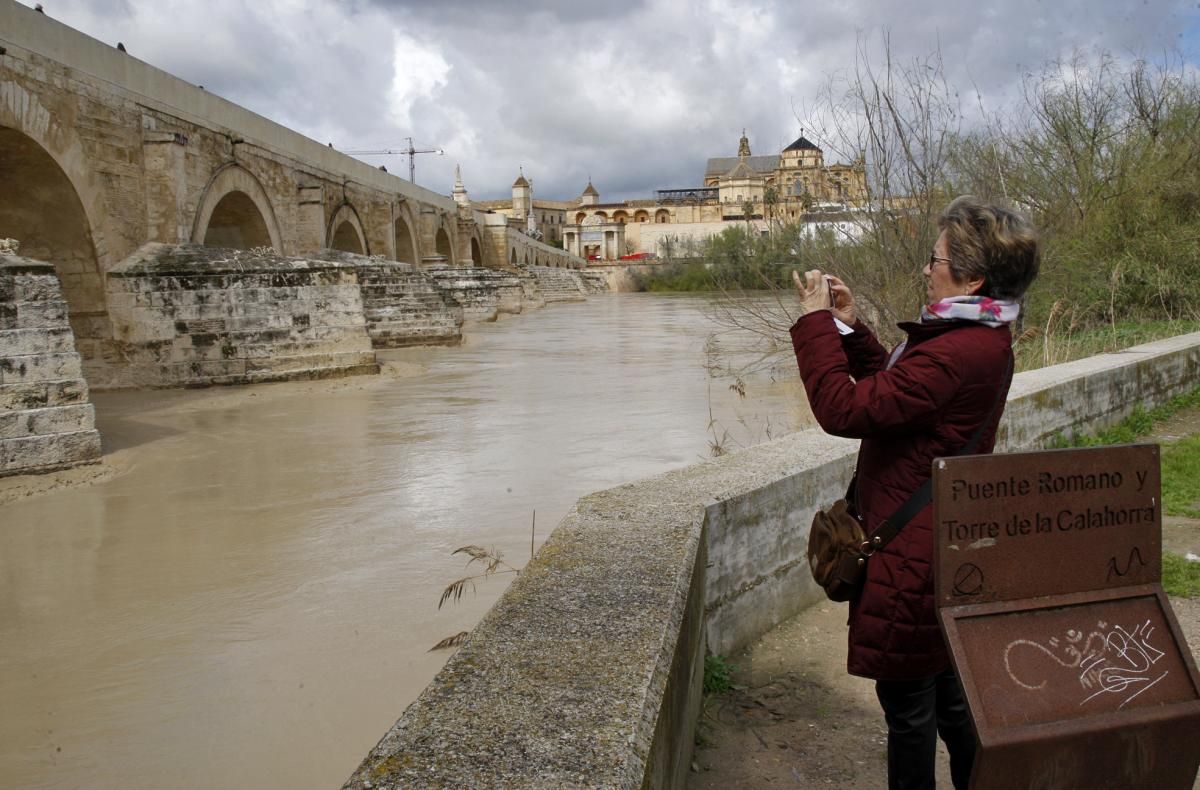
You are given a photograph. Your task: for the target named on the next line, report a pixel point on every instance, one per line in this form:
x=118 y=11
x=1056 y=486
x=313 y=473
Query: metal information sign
x=1047 y=570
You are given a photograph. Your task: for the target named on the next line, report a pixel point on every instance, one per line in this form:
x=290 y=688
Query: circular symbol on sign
x=968 y=579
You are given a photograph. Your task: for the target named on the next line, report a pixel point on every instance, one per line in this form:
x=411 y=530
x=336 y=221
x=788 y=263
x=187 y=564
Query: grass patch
x=718 y=675
x=1065 y=345
x=1181 y=478
x=1180 y=577
x=1139 y=423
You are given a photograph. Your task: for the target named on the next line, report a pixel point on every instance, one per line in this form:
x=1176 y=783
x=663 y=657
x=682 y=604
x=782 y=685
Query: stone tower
x=744 y=145
x=460 y=192
x=590 y=196
x=522 y=196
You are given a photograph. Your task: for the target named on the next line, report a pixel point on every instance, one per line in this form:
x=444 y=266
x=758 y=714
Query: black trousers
x=917 y=712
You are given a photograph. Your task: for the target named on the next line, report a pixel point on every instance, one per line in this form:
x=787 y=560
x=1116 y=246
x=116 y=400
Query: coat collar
x=922 y=330
x=919 y=331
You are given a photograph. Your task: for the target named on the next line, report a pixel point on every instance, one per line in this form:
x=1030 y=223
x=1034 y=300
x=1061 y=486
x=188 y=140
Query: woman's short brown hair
x=988 y=241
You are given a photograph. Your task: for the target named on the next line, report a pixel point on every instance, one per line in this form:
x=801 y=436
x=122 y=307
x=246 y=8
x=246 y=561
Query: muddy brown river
x=244 y=594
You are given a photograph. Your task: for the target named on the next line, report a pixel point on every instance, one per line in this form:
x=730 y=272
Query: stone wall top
x=16 y=264
x=23 y=27
x=164 y=260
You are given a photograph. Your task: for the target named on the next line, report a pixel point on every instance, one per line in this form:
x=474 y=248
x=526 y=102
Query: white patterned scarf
x=981 y=309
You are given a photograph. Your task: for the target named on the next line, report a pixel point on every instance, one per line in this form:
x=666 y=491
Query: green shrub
x=718 y=675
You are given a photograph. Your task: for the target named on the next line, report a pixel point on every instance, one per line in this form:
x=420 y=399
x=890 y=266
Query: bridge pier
x=46 y=419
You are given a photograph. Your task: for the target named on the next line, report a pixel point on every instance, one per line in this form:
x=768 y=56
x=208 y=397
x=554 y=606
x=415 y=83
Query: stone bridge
x=196 y=242
x=101 y=153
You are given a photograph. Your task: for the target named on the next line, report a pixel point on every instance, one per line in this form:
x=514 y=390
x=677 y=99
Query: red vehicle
x=637 y=256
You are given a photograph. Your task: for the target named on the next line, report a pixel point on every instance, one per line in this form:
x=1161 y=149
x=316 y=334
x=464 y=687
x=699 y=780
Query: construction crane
x=410 y=151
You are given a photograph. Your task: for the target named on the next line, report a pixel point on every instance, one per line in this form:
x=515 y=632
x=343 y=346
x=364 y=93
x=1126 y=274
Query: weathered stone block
x=34 y=315
x=270 y=316
x=44 y=421
x=36 y=288
x=39 y=367
x=18 y=342
x=47 y=453
x=41 y=394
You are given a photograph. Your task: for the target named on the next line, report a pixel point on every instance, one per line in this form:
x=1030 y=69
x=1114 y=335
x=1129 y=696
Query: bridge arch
x=441 y=242
x=236 y=212
x=345 y=231
x=512 y=255
x=63 y=220
x=41 y=208
x=476 y=251
x=405 y=240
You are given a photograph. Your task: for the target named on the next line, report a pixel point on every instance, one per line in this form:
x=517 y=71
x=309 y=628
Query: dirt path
x=796 y=719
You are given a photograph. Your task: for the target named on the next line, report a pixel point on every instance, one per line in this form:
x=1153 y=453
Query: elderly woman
x=927 y=398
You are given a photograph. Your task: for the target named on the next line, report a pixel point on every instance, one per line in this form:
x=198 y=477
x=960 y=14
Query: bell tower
x=522 y=194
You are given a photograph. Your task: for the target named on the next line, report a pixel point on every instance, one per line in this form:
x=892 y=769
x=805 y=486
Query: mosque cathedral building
x=794 y=185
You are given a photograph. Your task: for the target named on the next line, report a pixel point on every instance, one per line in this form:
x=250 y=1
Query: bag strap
x=892 y=525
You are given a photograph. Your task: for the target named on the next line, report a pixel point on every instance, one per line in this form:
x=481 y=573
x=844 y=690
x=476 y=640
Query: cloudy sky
x=636 y=94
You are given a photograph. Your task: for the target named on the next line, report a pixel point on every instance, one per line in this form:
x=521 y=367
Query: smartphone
x=829 y=287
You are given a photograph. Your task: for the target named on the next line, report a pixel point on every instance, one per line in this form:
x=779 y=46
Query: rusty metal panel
x=1090 y=690
x=1024 y=525
x=1047 y=569
x=1069 y=660
x=1149 y=752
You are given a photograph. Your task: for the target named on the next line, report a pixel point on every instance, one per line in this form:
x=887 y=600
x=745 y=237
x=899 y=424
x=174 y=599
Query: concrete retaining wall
x=586 y=671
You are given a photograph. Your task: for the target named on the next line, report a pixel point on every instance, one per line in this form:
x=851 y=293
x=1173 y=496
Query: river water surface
x=248 y=599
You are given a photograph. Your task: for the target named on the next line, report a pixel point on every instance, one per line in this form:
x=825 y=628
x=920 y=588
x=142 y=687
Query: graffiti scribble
x=1109 y=660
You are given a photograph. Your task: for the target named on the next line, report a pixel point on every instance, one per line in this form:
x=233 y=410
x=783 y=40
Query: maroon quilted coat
x=943 y=386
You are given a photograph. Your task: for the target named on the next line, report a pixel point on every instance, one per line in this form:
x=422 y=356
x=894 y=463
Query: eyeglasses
x=934 y=260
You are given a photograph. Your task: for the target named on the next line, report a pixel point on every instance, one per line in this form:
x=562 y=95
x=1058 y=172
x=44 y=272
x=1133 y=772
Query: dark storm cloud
x=636 y=95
